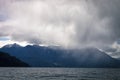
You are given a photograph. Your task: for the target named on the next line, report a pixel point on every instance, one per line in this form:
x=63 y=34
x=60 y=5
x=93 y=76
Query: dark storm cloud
x=110 y=9
x=68 y=23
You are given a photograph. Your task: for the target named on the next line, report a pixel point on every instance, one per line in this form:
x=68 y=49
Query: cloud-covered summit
x=68 y=23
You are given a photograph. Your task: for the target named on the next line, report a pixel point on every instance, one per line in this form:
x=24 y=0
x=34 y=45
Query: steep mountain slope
x=40 y=56
x=9 y=61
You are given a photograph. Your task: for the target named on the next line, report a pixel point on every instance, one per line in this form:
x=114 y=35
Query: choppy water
x=59 y=74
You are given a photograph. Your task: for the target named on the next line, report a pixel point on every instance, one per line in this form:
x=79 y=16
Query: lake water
x=59 y=74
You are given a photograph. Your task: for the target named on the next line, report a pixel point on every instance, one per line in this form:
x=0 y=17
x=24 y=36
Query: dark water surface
x=59 y=74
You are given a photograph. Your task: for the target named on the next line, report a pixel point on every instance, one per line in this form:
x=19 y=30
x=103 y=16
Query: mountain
x=9 y=61
x=12 y=45
x=40 y=56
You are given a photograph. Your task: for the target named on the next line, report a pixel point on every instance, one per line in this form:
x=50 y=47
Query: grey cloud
x=110 y=9
x=68 y=23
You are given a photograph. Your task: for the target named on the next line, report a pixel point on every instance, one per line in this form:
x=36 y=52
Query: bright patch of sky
x=4 y=38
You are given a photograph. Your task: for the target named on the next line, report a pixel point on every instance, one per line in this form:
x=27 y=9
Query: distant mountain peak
x=11 y=45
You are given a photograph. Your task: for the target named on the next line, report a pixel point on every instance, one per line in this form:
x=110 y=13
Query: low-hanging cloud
x=68 y=23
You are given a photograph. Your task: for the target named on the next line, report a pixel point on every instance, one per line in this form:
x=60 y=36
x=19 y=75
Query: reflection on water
x=59 y=74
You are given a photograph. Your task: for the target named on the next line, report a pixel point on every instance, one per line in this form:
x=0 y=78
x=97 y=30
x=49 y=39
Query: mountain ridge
x=40 y=56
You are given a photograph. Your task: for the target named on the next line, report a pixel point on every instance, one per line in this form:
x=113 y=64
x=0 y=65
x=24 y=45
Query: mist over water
x=67 y=23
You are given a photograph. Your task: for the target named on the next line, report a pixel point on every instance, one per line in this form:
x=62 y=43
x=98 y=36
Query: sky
x=67 y=23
